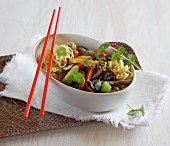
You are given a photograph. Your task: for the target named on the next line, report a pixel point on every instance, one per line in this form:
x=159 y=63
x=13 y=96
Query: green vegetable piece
x=87 y=63
x=130 y=59
x=142 y=110
x=98 y=84
x=120 y=51
x=61 y=51
x=115 y=57
x=133 y=112
x=78 y=77
x=106 y=87
x=69 y=76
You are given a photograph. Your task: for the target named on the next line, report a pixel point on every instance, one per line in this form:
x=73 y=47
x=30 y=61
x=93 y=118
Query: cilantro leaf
x=142 y=110
x=102 y=48
x=78 y=77
x=120 y=51
x=87 y=63
x=122 y=57
x=61 y=51
x=128 y=60
x=114 y=57
x=118 y=55
x=98 y=84
x=133 y=112
x=131 y=57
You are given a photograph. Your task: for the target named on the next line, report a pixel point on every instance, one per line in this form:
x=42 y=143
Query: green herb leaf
x=129 y=60
x=120 y=51
x=61 y=51
x=142 y=110
x=78 y=77
x=115 y=57
x=133 y=112
x=102 y=48
x=131 y=57
x=122 y=57
x=98 y=85
x=87 y=63
x=118 y=55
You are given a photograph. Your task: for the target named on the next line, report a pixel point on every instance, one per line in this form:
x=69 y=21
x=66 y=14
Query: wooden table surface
x=143 y=24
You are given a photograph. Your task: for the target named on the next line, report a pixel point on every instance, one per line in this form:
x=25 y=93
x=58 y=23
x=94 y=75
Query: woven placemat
x=11 y=110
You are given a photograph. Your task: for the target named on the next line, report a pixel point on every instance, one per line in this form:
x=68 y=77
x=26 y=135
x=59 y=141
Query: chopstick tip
x=25 y=116
x=42 y=114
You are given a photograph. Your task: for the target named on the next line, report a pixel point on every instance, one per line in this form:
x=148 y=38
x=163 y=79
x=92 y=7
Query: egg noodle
x=121 y=70
x=59 y=61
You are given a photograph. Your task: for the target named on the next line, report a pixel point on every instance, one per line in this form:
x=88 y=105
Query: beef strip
x=100 y=69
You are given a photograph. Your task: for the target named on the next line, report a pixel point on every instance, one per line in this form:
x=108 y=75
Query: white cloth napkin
x=150 y=90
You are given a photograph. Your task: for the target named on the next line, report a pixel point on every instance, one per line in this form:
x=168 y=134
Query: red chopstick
x=49 y=65
x=27 y=108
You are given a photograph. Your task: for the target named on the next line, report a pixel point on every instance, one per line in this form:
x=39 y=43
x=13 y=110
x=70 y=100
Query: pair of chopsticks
x=27 y=108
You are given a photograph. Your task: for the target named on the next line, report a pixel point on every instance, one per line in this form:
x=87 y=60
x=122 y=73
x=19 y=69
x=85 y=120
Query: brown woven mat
x=11 y=110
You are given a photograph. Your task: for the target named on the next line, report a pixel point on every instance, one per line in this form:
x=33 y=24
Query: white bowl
x=96 y=102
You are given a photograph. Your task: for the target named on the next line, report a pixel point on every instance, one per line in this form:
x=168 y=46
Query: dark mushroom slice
x=64 y=70
x=81 y=48
x=90 y=86
x=99 y=65
x=86 y=53
x=94 y=72
x=108 y=75
x=83 y=52
x=98 y=74
x=121 y=82
x=100 y=69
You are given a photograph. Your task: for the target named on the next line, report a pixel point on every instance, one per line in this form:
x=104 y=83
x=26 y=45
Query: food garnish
x=102 y=48
x=133 y=111
x=98 y=85
x=129 y=60
x=78 y=77
x=61 y=51
x=87 y=63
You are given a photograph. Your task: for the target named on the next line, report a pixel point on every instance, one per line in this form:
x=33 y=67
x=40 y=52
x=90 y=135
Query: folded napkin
x=150 y=90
